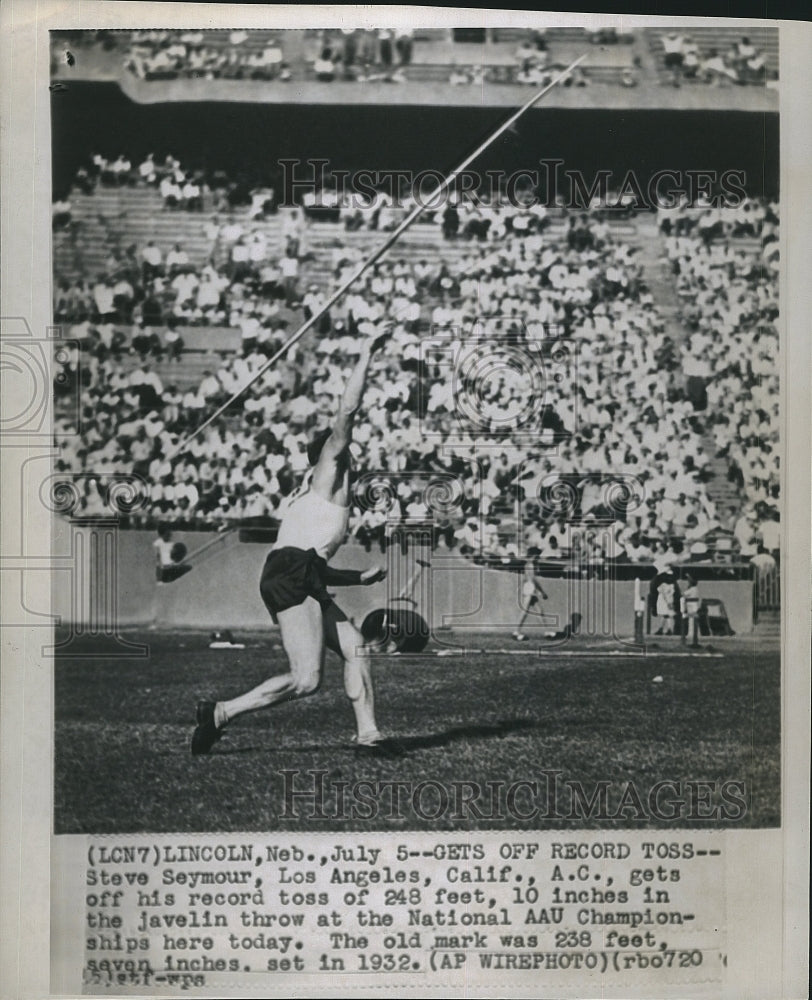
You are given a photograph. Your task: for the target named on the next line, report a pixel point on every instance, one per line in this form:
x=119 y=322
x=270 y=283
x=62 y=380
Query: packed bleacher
x=352 y=54
x=726 y=264
x=716 y=55
x=161 y=55
x=381 y=55
x=621 y=416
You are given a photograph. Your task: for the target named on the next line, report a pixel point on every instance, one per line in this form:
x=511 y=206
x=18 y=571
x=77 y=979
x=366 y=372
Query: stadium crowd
x=730 y=303
x=741 y=63
x=611 y=467
x=359 y=55
x=751 y=217
x=190 y=188
x=363 y=55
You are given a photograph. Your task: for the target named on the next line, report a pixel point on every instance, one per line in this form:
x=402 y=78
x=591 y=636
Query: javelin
x=377 y=254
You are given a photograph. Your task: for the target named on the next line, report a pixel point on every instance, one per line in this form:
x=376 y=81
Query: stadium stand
x=726 y=266
x=151 y=376
x=499 y=55
x=715 y=54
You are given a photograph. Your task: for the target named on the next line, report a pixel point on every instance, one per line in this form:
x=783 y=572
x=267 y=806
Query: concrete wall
x=222 y=590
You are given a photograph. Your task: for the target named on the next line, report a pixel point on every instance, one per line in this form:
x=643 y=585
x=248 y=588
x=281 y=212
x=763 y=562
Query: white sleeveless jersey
x=311 y=522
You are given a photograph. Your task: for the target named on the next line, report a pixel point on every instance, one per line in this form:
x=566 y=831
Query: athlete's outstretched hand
x=372 y=575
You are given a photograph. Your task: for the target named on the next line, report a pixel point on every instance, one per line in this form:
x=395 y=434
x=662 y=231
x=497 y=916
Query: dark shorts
x=291 y=575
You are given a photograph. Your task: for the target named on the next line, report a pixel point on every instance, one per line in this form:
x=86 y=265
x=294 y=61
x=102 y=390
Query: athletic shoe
x=385 y=748
x=519 y=637
x=206 y=733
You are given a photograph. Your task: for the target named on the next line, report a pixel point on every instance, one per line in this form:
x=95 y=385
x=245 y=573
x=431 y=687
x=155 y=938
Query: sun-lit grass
x=123 y=728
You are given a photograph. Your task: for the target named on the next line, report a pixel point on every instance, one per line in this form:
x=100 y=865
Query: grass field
x=123 y=726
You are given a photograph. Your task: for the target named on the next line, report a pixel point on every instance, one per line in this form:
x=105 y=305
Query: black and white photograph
x=413 y=461
x=384 y=468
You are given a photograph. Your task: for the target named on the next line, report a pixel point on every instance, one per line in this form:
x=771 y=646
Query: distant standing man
x=532 y=590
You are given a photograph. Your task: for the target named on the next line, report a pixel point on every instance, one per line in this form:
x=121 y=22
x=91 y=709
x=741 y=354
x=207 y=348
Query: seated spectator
x=690 y=59
x=240 y=258
x=714 y=69
x=272 y=59
x=324 y=67
x=191 y=195
x=754 y=69
x=170 y=192
x=769 y=531
x=176 y=260
x=210 y=388
x=673 y=44
x=174 y=343
x=262 y=203
x=289 y=268
x=120 y=169
x=104 y=307
x=147 y=171
x=527 y=55
x=152 y=262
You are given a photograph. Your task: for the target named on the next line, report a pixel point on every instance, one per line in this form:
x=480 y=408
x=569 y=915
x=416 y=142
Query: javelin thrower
x=296 y=571
x=293 y=587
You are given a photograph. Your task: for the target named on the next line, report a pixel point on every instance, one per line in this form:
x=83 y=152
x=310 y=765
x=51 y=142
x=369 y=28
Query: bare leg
x=526 y=612
x=344 y=638
x=302 y=630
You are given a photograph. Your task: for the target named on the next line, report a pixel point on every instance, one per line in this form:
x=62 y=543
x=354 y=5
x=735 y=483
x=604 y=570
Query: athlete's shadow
x=223 y=750
x=496 y=729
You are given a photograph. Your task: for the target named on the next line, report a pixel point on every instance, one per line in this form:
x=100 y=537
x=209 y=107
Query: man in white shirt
x=209 y=387
x=770 y=533
x=146 y=170
x=170 y=192
x=103 y=298
x=191 y=195
x=289 y=268
x=745 y=533
x=240 y=261
x=176 y=259
x=231 y=231
x=151 y=261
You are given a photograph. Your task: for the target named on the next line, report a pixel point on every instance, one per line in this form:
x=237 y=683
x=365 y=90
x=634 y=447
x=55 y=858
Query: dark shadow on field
x=496 y=729
x=223 y=751
x=427 y=742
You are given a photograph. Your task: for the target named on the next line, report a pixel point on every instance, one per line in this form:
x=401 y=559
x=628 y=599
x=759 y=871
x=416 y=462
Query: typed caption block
x=167 y=914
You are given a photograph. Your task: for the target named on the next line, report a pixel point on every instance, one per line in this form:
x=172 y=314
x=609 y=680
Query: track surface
x=122 y=761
